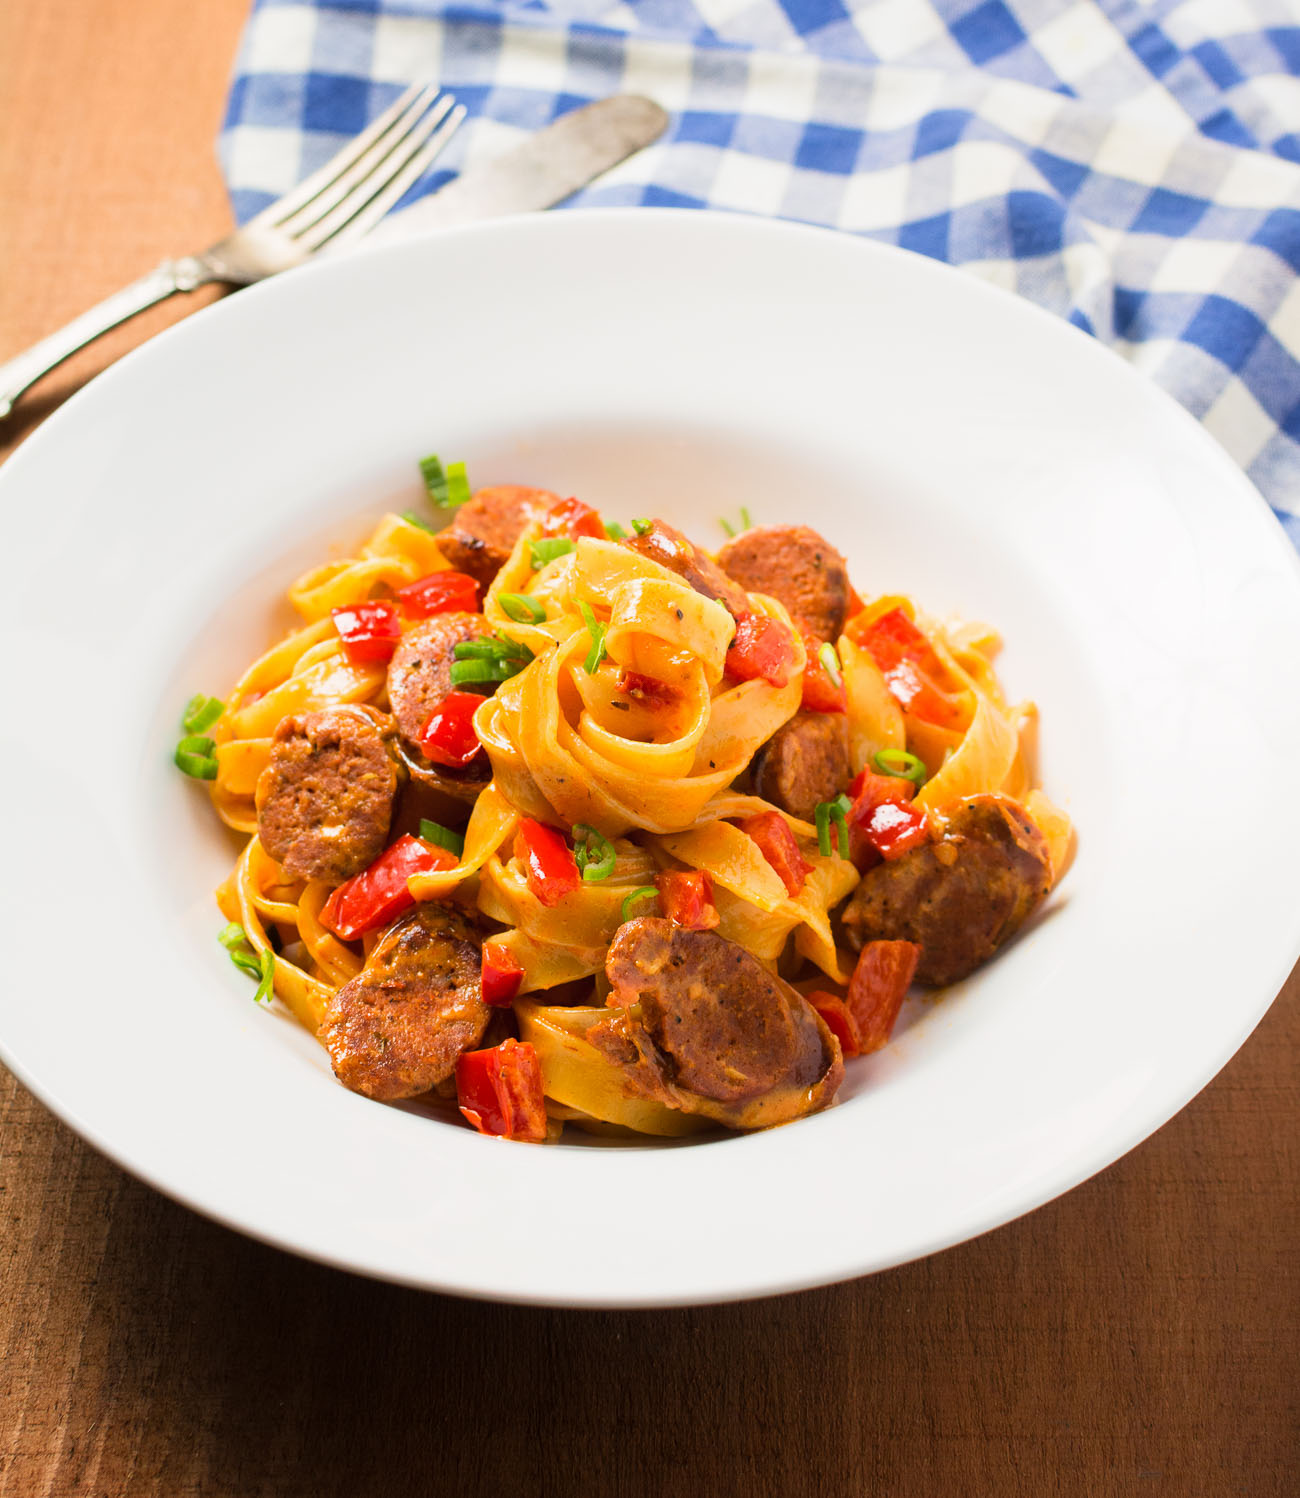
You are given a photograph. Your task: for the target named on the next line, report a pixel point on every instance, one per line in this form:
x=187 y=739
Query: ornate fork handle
x=186 y=274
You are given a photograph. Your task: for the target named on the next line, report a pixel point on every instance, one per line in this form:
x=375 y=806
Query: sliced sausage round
x=805 y=761
x=325 y=800
x=701 y=1024
x=666 y=545
x=398 y=1027
x=959 y=898
x=484 y=532
x=419 y=677
x=797 y=567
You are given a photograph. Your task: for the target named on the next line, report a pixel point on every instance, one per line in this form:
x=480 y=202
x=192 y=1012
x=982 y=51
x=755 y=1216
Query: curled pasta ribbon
x=396 y=554
x=491 y=822
x=567 y=745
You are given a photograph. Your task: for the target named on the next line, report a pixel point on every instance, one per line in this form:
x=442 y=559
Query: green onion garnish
x=233 y=936
x=435 y=479
x=641 y=526
x=832 y=811
x=597 y=632
x=195 y=757
x=201 y=712
x=745 y=522
x=902 y=764
x=593 y=853
x=615 y=531
x=466 y=673
x=548 y=550
x=412 y=518
x=521 y=608
x=831 y=664
x=726 y=525
x=637 y=894
x=266 y=988
x=443 y=837
x=457 y=486
x=235 y=940
x=492 y=648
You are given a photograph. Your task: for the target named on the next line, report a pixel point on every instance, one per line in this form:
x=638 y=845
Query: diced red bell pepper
x=502 y=976
x=448 y=736
x=379 y=894
x=369 y=631
x=881 y=823
x=552 y=871
x=877 y=988
x=777 y=844
x=910 y=666
x=839 y=1021
x=440 y=593
x=500 y=1091
x=570 y=517
x=645 y=688
x=893 y=830
x=686 y=898
x=761 y=650
x=820 y=694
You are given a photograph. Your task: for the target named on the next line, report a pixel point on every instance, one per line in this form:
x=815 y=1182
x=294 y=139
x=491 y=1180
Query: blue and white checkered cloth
x=1129 y=164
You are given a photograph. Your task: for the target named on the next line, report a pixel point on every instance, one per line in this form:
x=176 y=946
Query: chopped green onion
x=745 y=522
x=832 y=811
x=637 y=894
x=435 y=479
x=641 y=526
x=466 y=673
x=597 y=632
x=266 y=988
x=195 y=757
x=443 y=837
x=233 y=936
x=831 y=664
x=201 y=712
x=900 y=763
x=615 y=531
x=457 y=486
x=548 y=550
x=726 y=525
x=521 y=608
x=491 y=648
x=412 y=518
x=593 y=853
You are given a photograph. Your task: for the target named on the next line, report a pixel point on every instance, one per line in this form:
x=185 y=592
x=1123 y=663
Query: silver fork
x=342 y=201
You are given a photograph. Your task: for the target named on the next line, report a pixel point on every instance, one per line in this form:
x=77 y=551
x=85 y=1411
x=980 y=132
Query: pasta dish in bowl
x=571 y=822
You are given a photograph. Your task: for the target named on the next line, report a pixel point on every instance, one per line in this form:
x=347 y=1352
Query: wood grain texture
x=1138 y=1336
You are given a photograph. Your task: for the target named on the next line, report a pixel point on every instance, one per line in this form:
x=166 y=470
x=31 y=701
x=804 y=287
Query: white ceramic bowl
x=955 y=442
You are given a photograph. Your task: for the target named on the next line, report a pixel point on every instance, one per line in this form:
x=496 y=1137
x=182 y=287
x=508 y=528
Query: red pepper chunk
x=881 y=823
x=570 y=517
x=777 y=844
x=839 y=1021
x=502 y=976
x=439 y=593
x=761 y=650
x=552 y=872
x=686 y=898
x=910 y=666
x=820 y=694
x=448 y=736
x=893 y=830
x=369 y=631
x=379 y=894
x=877 y=988
x=500 y=1091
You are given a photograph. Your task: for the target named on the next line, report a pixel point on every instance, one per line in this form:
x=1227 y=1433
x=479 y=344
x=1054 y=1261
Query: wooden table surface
x=1138 y=1336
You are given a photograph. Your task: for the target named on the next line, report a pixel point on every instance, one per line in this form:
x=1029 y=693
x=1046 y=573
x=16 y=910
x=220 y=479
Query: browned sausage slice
x=797 y=567
x=805 y=761
x=397 y=1029
x=959 y=898
x=419 y=677
x=702 y=1025
x=325 y=800
x=664 y=544
x=483 y=534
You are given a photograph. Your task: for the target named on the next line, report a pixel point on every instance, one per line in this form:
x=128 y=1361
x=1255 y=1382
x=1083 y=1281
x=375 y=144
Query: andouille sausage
x=958 y=898
x=325 y=799
x=663 y=543
x=483 y=534
x=397 y=1029
x=699 y=1023
x=805 y=761
x=797 y=567
x=419 y=677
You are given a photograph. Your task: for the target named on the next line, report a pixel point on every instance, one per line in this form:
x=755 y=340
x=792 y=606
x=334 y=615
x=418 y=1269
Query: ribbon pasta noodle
x=708 y=796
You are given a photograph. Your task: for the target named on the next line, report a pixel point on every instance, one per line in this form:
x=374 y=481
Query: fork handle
x=170 y=277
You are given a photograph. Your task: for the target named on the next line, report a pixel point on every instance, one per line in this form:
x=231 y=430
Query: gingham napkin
x=1131 y=167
